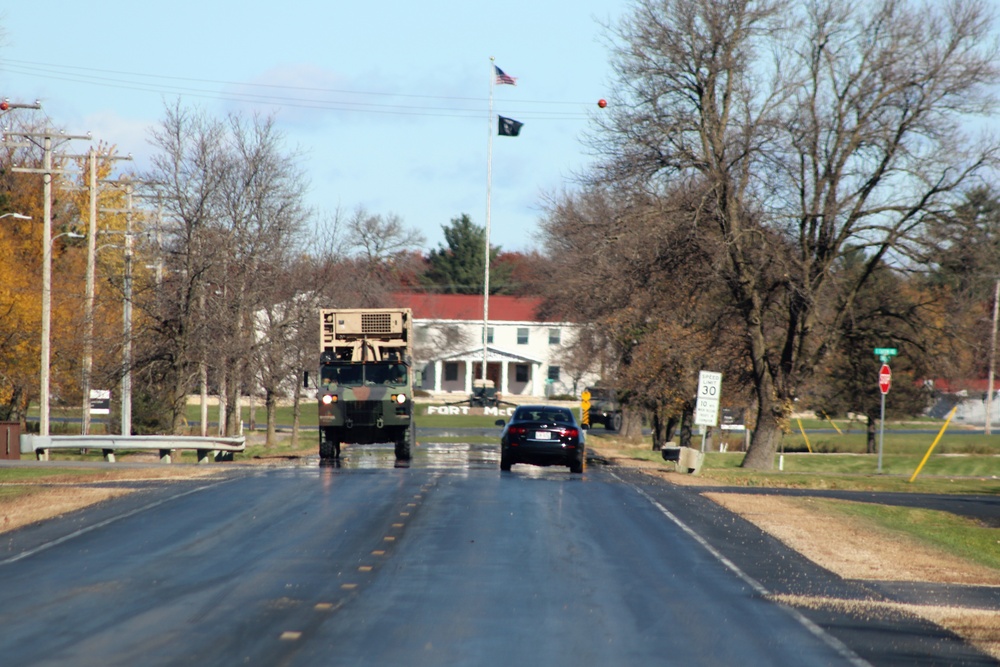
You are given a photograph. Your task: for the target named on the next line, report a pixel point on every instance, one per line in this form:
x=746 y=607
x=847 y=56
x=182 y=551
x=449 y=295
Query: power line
x=151 y=83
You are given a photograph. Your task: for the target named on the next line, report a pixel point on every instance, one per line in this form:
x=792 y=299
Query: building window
x=450 y=371
x=521 y=373
x=555 y=337
x=554 y=373
x=489 y=335
x=522 y=335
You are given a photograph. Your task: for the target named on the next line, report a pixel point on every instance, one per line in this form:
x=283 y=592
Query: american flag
x=504 y=78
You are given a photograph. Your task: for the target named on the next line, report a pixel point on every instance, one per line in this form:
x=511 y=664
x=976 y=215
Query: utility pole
x=126 y=380
x=993 y=356
x=88 y=339
x=47 y=138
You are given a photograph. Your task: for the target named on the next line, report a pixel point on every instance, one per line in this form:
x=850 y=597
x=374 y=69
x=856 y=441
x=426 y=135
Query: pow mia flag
x=509 y=127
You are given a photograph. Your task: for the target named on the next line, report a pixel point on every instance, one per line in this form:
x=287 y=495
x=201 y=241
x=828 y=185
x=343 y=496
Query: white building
x=525 y=355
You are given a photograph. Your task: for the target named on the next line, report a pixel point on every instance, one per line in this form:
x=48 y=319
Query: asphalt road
x=444 y=562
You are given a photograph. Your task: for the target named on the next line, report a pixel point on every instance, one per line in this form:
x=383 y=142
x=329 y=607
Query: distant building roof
x=469 y=307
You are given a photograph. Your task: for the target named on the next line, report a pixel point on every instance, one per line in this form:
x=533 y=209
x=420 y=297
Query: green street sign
x=886 y=352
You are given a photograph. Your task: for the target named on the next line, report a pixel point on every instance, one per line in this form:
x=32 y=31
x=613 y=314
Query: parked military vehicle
x=604 y=408
x=365 y=379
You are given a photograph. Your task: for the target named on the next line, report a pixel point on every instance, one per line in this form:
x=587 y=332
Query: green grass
x=13 y=475
x=957 y=535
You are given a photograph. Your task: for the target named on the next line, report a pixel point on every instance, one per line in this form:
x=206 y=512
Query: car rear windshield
x=547 y=415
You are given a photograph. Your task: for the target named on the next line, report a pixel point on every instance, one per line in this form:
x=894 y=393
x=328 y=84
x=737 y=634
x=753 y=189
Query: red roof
x=469 y=307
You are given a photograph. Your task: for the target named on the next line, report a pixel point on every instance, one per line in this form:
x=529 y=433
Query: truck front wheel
x=329 y=445
x=404 y=444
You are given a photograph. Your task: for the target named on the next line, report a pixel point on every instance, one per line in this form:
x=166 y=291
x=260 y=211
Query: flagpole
x=489 y=185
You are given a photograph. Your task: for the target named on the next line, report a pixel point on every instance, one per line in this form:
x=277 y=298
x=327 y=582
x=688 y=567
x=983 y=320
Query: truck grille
x=376 y=323
x=364 y=413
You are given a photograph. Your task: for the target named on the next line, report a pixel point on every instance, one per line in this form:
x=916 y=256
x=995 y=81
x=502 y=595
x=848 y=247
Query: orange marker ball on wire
x=602 y=103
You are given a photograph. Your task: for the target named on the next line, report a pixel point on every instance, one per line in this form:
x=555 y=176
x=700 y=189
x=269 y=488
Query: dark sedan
x=542 y=435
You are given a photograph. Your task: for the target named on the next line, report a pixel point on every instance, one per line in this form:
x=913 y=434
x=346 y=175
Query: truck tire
x=614 y=423
x=404 y=445
x=329 y=445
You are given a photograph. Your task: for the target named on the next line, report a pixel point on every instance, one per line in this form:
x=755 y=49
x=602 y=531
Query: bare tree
x=234 y=200
x=811 y=128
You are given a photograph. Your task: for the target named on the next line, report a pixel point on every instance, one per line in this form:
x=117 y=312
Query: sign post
x=706 y=410
x=884 y=383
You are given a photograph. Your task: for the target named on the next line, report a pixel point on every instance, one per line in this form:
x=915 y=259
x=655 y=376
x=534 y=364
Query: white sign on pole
x=706 y=410
x=100 y=401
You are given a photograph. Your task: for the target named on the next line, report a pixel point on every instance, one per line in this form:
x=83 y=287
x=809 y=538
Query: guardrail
x=207 y=448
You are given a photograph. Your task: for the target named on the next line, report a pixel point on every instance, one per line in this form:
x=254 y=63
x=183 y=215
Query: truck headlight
x=399 y=398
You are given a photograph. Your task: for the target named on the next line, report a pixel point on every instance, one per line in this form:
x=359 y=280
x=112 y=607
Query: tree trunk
x=234 y=420
x=768 y=434
x=178 y=403
x=271 y=402
x=660 y=428
x=296 y=414
x=687 y=421
x=663 y=429
x=870 y=447
x=631 y=423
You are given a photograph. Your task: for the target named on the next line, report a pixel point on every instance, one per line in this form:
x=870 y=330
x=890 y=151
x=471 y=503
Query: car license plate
x=543 y=435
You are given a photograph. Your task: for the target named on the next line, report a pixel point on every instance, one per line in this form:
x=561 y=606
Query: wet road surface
x=445 y=561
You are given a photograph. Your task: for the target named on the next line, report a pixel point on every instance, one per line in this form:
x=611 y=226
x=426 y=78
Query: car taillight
x=517 y=430
x=569 y=433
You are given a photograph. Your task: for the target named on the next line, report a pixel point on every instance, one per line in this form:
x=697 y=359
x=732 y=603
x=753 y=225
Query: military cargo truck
x=365 y=387
x=604 y=408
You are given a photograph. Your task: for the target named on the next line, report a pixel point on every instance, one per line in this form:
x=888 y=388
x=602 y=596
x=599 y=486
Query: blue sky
x=388 y=100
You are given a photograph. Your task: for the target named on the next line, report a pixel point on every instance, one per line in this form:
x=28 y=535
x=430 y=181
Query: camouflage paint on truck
x=365 y=379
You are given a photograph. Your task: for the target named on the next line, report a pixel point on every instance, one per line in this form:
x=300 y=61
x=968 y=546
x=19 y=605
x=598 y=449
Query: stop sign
x=884 y=378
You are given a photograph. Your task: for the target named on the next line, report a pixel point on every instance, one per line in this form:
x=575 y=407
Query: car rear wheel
x=505 y=462
x=576 y=466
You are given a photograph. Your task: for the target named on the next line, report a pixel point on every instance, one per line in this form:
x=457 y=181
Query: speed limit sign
x=706 y=411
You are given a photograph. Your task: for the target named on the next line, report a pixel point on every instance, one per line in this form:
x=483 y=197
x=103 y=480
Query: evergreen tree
x=458 y=267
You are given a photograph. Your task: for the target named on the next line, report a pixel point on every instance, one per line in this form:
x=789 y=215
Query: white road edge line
x=831 y=641
x=101 y=524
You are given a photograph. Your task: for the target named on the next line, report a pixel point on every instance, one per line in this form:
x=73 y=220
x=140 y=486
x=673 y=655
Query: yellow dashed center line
x=398 y=525
x=365 y=568
x=378 y=552
x=290 y=636
x=323 y=606
x=349 y=587
x=389 y=538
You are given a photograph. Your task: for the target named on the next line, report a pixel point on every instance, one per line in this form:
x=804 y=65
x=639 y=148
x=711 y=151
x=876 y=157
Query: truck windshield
x=355 y=375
